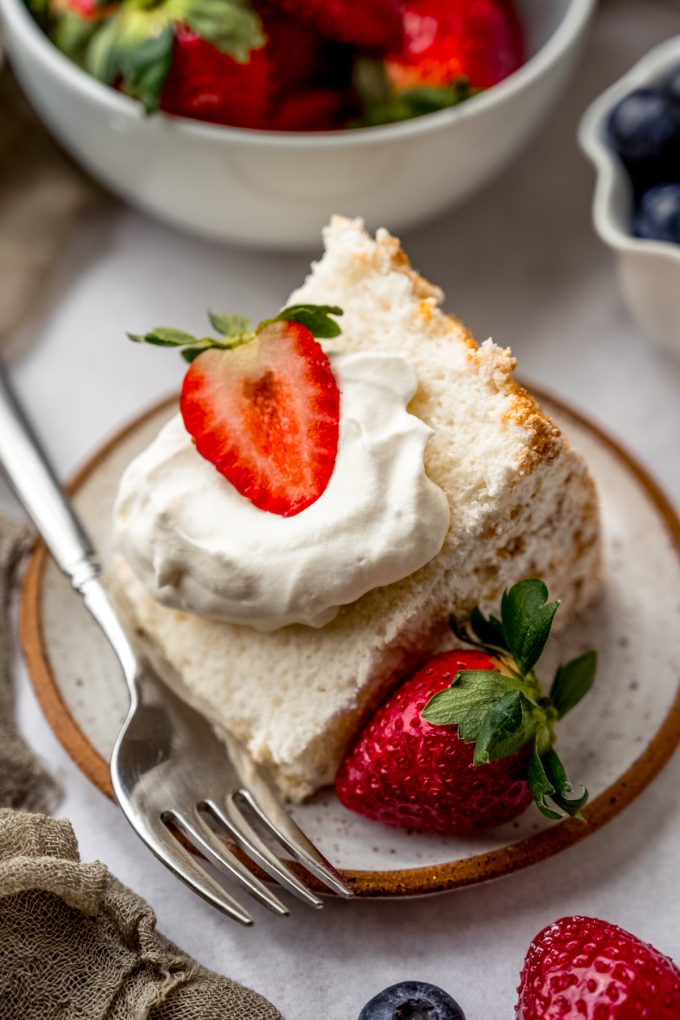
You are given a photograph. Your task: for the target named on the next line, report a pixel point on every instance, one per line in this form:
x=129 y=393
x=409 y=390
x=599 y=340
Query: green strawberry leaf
x=416 y=102
x=489 y=631
x=541 y=787
x=229 y=324
x=549 y=781
x=381 y=104
x=316 y=318
x=143 y=54
x=146 y=82
x=466 y=703
x=134 y=45
x=369 y=77
x=462 y=635
x=191 y=353
x=164 y=337
x=527 y=618
x=100 y=58
x=232 y=26
x=72 y=35
x=42 y=12
x=507 y=727
x=572 y=682
x=502 y=713
x=235 y=330
x=564 y=795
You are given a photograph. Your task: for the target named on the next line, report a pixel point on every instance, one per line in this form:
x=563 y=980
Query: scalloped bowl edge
x=649 y=270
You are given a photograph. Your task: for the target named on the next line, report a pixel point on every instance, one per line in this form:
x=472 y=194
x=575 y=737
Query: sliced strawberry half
x=263 y=405
x=266 y=414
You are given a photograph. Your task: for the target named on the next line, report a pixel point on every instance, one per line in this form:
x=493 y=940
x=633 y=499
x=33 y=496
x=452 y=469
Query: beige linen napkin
x=75 y=944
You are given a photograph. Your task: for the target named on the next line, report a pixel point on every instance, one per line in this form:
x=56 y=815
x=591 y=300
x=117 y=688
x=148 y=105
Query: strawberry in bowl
x=268 y=159
x=288 y=65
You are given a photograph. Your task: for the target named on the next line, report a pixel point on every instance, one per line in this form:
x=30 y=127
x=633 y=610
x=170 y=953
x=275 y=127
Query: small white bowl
x=277 y=189
x=649 y=270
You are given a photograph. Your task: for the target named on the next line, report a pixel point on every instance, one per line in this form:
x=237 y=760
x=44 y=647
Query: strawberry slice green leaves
x=503 y=712
x=133 y=47
x=235 y=329
x=262 y=405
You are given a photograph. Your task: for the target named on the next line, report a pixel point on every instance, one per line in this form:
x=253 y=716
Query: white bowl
x=276 y=190
x=649 y=270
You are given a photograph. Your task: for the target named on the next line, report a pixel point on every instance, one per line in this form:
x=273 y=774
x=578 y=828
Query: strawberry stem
x=503 y=711
x=235 y=330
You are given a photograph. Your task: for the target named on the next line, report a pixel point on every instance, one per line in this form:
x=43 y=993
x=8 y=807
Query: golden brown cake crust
x=544 y=440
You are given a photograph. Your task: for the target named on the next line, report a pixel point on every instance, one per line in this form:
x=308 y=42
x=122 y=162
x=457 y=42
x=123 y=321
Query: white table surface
x=520 y=263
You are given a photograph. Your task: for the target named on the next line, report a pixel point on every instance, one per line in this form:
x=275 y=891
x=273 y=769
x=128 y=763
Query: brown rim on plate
x=407 y=881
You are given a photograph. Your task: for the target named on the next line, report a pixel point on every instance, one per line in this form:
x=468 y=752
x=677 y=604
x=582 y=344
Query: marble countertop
x=519 y=263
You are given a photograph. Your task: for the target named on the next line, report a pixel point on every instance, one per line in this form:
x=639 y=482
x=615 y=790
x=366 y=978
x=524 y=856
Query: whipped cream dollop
x=198 y=545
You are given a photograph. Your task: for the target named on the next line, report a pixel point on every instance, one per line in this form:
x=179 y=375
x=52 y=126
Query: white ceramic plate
x=614 y=742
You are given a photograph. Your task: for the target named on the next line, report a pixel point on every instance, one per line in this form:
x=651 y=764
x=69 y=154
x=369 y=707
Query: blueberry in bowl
x=658 y=214
x=644 y=131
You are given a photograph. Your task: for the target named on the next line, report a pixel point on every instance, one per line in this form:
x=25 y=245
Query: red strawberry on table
x=480 y=40
x=580 y=968
x=468 y=741
x=263 y=406
x=406 y=772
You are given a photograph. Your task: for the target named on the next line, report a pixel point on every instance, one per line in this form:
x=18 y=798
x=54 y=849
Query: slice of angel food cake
x=338 y=482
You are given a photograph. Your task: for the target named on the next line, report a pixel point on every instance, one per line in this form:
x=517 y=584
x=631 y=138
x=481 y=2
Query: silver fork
x=171 y=775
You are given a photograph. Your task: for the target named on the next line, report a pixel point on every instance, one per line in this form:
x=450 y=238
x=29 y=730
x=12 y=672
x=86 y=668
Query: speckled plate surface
x=615 y=741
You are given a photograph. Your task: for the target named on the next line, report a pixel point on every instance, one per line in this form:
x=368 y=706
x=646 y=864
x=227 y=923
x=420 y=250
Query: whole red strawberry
x=207 y=83
x=580 y=968
x=311 y=109
x=404 y=771
x=263 y=405
x=228 y=62
x=465 y=743
x=374 y=25
x=480 y=40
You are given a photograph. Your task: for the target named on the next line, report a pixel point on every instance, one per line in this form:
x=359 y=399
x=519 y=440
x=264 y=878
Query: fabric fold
x=76 y=943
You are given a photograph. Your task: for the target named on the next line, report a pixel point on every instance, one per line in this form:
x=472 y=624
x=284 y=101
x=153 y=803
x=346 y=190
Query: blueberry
x=644 y=129
x=658 y=215
x=672 y=83
x=412 y=1000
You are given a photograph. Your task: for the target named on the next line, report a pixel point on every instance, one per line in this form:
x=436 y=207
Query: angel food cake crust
x=522 y=504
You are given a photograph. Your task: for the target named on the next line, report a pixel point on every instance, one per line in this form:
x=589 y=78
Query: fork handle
x=35 y=482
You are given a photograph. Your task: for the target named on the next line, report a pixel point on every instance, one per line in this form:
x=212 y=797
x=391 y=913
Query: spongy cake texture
x=522 y=504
